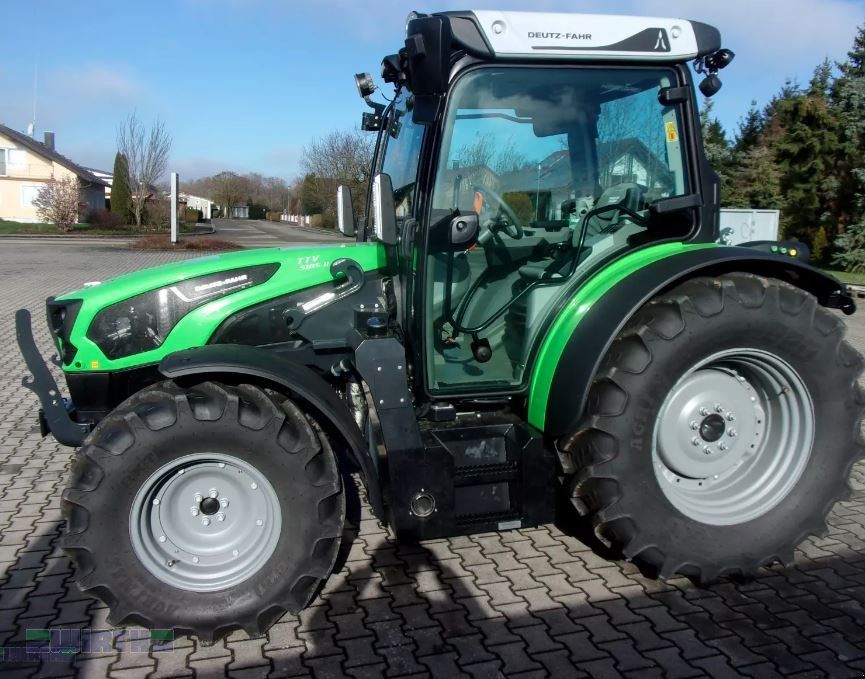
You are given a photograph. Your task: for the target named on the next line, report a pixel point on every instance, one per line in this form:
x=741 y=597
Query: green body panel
x=300 y=267
x=553 y=344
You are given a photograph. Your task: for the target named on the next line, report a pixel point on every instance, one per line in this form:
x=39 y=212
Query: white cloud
x=93 y=82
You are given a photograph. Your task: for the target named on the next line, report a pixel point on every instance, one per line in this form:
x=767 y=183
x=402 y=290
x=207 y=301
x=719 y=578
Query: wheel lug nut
x=198 y=497
x=695 y=442
x=213 y=493
x=731 y=417
x=224 y=502
x=719 y=408
x=732 y=433
x=722 y=445
x=194 y=511
x=694 y=425
x=220 y=517
x=704 y=411
x=708 y=450
x=205 y=521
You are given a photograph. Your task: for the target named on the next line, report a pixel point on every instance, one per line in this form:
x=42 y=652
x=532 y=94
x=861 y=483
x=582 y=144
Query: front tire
x=204 y=509
x=720 y=429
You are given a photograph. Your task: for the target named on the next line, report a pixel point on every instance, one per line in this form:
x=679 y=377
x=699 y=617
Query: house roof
x=38 y=147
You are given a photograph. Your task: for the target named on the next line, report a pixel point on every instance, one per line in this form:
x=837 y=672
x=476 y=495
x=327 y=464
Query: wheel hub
x=733 y=436
x=205 y=522
x=708 y=424
x=712 y=428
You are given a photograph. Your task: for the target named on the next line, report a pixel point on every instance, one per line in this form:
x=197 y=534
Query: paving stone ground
x=527 y=603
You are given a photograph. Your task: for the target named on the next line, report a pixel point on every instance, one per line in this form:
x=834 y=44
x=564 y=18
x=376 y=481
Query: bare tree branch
x=57 y=202
x=146 y=154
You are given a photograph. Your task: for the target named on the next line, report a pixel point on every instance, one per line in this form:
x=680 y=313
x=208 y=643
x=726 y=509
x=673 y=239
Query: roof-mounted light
x=365 y=85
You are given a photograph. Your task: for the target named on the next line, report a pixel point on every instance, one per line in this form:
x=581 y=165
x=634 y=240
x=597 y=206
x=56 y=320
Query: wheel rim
x=205 y=522
x=733 y=437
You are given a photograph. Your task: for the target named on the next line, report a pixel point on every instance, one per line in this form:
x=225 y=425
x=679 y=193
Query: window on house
x=15 y=157
x=29 y=195
x=2 y=162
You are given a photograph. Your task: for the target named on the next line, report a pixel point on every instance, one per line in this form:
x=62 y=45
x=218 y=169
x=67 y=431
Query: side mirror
x=344 y=211
x=463 y=231
x=383 y=210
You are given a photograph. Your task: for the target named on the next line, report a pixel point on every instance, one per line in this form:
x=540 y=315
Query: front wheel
x=720 y=430
x=204 y=509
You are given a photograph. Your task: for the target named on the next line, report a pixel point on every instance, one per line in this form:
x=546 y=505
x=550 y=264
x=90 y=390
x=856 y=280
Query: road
x=529 y=603
x=262 y=234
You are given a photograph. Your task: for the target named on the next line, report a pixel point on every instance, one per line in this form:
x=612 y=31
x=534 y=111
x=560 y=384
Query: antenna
x=31 y=128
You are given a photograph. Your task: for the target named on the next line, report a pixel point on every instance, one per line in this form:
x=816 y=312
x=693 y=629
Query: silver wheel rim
x=205 y=522
x=733 y=437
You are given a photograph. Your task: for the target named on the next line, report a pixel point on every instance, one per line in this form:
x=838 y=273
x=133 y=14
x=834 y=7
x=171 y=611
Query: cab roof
x=546 y=35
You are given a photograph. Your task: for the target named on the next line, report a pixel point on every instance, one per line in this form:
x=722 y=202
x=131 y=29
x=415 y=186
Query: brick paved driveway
x=523 y=603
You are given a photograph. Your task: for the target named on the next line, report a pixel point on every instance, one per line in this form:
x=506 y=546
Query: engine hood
x=297 y=268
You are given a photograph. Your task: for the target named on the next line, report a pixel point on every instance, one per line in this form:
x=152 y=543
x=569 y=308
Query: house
x=198 y=203
x=630 y=160
x=106 y=177
x=27 y=165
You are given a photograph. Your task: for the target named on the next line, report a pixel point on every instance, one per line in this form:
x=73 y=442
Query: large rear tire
x=204 y=509
x=720 y=429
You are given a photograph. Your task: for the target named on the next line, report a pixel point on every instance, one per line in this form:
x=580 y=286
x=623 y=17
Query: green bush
x=192 y=215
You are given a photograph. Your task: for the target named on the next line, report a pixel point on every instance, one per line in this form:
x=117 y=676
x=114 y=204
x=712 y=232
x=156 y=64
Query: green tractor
x=533 y=322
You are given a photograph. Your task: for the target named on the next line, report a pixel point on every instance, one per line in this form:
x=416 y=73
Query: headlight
x=142 y=323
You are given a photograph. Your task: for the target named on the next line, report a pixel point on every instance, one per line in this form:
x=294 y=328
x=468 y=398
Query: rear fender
x=298 y=381
x=583 y=331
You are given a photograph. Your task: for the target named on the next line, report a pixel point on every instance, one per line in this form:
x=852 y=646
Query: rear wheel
x=720 y=430
x=204 y=509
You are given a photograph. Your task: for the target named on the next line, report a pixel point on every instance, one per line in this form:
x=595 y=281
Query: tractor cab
x=523 y=151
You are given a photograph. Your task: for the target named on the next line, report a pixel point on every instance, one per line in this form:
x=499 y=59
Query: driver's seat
x=629 y=195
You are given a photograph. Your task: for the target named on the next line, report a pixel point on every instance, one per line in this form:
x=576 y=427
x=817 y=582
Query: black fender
x=298 y=381
x=589 y=343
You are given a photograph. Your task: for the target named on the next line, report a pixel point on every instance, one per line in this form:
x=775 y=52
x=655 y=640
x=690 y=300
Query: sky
x=243 y=85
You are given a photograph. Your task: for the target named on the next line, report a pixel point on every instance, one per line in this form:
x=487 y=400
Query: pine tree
x=750 y=130
x=121 y=198
x=848 y=97
x=803 y=135
x=715 y=142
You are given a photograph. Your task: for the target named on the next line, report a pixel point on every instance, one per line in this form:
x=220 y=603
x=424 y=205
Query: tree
x=146 y=152
x=848 y=97
x=57 y=202
x=715 y=142
x=229 y=189
x=341 y=157
x=121 y=199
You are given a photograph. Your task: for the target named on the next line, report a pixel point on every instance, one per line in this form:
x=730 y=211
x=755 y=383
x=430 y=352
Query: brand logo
x=218 y=284
x=559 y=36
x=309 y=262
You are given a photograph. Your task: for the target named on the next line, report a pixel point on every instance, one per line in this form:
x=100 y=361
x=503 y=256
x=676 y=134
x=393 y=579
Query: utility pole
x=174 y=199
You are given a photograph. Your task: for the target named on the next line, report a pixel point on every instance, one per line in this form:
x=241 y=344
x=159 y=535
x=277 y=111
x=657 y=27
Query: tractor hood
x=140 y=317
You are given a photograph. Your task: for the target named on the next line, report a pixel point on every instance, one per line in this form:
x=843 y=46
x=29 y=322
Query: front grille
x=61 y=319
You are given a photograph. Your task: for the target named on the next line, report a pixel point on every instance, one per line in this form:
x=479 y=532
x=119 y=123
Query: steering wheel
x=514 y=229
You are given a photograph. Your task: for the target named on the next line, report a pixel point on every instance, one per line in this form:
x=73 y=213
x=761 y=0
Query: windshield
x=560 y=165
x=543 y=138
x=402 y=153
